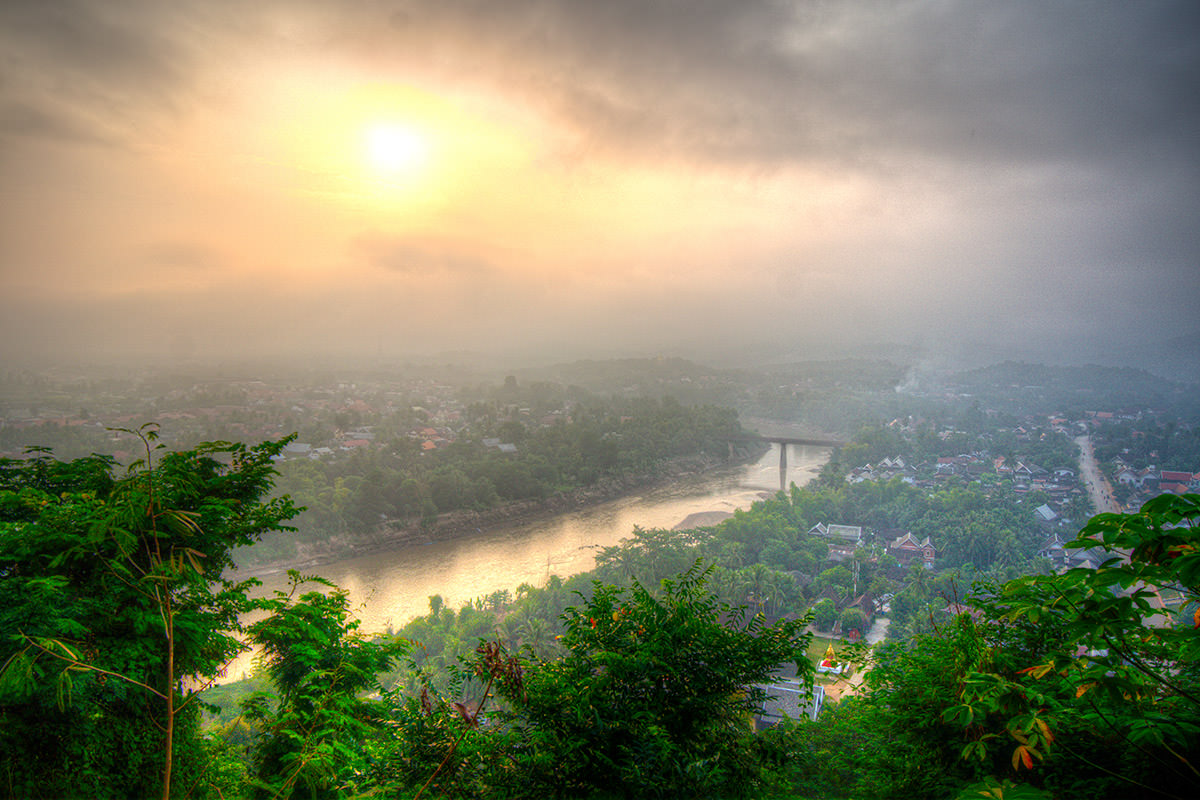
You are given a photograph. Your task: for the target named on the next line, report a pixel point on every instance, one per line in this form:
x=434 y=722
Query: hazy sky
x=600 y=176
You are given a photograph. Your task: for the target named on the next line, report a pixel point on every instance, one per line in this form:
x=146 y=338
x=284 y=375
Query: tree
x=853 y=619
x=899 y=746
x=536 y=636
x=653 y=695
x=113 y=598
x=1116 y=691
x=824 y=614
x=1071 y=685
x=311 y=744
x=836 y=577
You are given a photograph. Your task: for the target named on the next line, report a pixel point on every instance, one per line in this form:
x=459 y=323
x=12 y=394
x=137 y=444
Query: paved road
x=1097 y=485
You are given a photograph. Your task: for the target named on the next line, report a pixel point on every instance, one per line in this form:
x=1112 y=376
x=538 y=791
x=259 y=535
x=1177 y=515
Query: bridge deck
x=788 y=440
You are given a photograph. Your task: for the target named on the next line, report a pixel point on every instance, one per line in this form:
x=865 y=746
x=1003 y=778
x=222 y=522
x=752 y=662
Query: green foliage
x=824 y=614
x=653 y=696
x=1071 y=685
x=1119 y=670
x=311 y=739
x=601 y=439
x=853 y=619
x=112 y=591
x=915 y=753
x=648 y=555
x=992 y=789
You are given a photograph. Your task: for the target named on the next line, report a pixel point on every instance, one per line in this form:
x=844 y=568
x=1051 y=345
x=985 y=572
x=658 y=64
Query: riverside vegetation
x=636 y=680
x=602 y=448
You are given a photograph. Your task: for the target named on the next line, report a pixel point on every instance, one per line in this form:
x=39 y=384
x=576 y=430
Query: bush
x=853 y=619
x=824 y=614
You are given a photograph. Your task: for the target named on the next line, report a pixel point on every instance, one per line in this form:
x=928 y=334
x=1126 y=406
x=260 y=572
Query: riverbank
x=396 y=535
x=392 y=584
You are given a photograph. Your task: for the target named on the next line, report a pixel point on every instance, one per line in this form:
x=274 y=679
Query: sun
x=396 y=149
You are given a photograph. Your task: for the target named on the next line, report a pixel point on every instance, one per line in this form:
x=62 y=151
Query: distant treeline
x=401 y=484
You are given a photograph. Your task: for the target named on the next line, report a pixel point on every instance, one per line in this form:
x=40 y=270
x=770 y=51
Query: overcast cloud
x=602 y=178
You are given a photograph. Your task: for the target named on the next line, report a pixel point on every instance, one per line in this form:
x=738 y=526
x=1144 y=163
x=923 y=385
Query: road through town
x=1089 y=471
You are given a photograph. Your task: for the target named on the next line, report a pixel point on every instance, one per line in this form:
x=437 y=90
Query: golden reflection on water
x=393 y=587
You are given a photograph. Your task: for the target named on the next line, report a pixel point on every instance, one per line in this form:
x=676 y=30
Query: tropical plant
x=1115 y=690
x=654 y=695
x=115 y=607
x=312 y=733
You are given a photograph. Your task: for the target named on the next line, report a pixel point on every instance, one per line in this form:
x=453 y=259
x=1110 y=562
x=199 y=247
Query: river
x=391 y=588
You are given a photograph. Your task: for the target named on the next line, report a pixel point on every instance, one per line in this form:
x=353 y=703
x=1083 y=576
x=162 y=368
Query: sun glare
x=402 y=153
x=396 y=148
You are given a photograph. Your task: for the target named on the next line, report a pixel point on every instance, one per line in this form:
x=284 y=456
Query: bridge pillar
x=783 y=466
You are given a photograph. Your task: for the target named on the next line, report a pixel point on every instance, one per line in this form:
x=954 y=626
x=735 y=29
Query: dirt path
x=841 y=688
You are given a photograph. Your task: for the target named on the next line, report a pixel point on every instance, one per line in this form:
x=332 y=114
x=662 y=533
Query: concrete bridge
x=783 y=442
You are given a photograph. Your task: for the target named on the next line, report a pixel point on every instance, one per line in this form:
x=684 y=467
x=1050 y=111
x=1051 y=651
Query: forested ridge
x=635 y=680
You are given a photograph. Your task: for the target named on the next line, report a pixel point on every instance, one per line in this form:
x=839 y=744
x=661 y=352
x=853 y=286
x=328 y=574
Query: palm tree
x=918 y=578
x=732 y=555
x=535 y=634
x=508 y=631
x=725 y=582
x=754 y=583
x=777 y=589
x=498 y=599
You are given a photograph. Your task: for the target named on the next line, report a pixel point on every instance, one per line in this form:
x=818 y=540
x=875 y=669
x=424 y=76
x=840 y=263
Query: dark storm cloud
x=88 y=71
x=45 y=122
x=756 y=80
x=748 y=81
x=1063 y=135
x=753 y=81
x=1019 y=171
x=130 y=44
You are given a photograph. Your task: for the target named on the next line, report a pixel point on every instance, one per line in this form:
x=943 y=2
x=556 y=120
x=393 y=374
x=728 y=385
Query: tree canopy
x=115 y=607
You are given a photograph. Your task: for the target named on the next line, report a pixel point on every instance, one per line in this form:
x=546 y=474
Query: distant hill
x=845 y=373
x=1092 y=387
x=647 y=375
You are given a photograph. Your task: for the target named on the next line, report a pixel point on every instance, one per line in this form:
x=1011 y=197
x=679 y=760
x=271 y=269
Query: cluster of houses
x=1062 y=558
x=254 y=410
x=429 y=439
x=908 y=549
x=1152 y=480
x=1060 y=485
x=843 y=540
x=1026 y=476
x=344 y=441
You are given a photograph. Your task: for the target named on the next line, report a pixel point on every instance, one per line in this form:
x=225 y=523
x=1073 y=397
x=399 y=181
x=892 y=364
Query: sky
x=735 y=178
